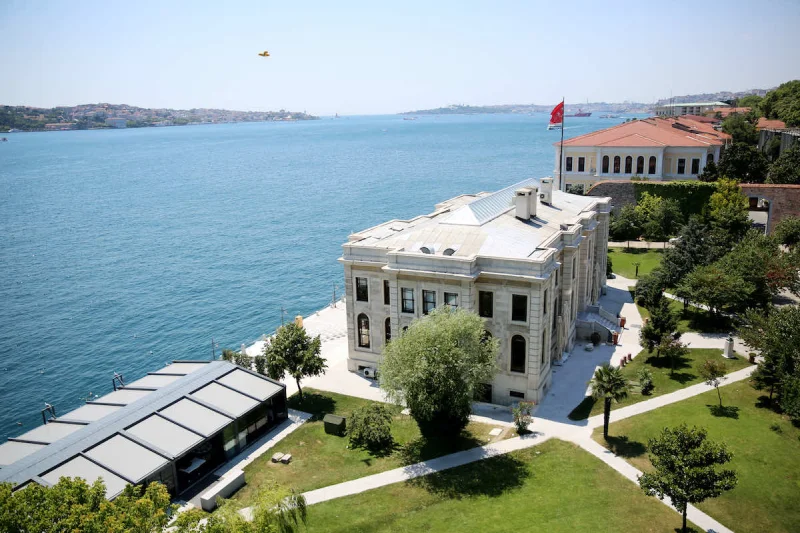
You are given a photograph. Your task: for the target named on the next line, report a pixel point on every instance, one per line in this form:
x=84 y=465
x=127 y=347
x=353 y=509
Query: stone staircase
x=598 y=319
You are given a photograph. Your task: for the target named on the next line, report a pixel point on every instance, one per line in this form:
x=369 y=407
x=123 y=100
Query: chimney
x=534 y=200
x=546 y=195
x=522 y=203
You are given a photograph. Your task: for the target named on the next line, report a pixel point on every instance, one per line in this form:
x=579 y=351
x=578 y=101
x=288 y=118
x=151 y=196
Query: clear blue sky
x=384 y=57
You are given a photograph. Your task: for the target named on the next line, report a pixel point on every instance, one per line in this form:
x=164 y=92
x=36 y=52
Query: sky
x=377 y=57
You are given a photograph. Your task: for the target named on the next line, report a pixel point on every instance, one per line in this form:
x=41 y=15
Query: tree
x=753 y=101
x=713 y=373
x=777 y=336
x=663 y=322
x=523 y=416
x=276 y=510
x=710 y=172
x=685 y=470
x=370 y=427
x=741 y=128
x=716 y=288
x=436 y=366
x=790 y=398
x=787 y=231
x=292 y=351
x=608 y=384
x=74 y=505
x=237 y=358
x=650 y=289
x=672 y=349
x=728 y=211
x=783 y=103
x=692 y=249
x=743 y=163
x=627 y=224
x=786 y=168
x=645 y=378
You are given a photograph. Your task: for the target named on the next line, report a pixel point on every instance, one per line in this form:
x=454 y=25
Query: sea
x=121 y=250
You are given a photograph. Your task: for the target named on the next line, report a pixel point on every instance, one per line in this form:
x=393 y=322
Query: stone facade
x=561 y=277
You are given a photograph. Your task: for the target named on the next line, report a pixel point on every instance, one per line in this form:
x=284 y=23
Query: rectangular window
x=544 y=338
x=451 y=299
x=485 y=304
x=544 y=303
x=569 y=164
x=386 y=298
x=695 y=166
x=428 y=301
x=519 y=307
x=581 y=164
x=362 y=290
x=516 y=394
x=408 y=300
x=574 y=267
x=681 y=166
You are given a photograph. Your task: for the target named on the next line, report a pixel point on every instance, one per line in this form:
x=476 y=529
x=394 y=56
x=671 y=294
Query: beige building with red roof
x=655 y=148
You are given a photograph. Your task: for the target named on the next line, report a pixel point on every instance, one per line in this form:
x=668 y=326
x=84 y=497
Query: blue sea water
x=123 y=249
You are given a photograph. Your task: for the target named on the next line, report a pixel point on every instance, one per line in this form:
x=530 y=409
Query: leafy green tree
x=436 y=366
x=370 y=427
x=609 y=385
x=627 y=224
x=790 y=398
x=650 y=289
x=645 y=378
x=717 y=288
x=292 y=351
x=691 y=250
x=743 y=163
x=685 y=470
x=777 y=336
x=673 y=350
x=237 y=358
x=523 y=416
x=753 y=101
x=662 y=324
x=786 y=168
x=728 y=211
x=713 y=373
x=787 y=231
x=710 y=172
x=73 y=505
x=783 y=103
x=738 y=126
x=276 y=510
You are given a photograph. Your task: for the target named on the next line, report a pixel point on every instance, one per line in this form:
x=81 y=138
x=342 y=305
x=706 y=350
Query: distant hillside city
x=605 y=107
x=96 y=116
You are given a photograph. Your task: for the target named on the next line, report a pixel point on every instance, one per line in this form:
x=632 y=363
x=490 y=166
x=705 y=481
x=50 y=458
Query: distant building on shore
x=654 y=148
x=59 y=126
x=117 y=122
x=693 y=108
x=528 y=259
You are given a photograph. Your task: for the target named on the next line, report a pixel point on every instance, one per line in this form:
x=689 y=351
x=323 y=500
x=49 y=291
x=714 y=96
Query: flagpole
x=561 y=158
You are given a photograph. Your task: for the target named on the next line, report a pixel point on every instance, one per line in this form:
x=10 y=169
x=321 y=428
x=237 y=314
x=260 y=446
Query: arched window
x=388 y=328
x=616 y=164
x=640 y=165
x=709 y=158
x=363 y=331
x=605 y=164
x=518 y=354
x=651 y=167
x=628 y=165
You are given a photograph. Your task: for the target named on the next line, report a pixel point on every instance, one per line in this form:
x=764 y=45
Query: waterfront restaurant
x=175 y=425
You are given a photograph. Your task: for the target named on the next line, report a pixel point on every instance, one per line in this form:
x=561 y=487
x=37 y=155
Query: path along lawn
x=320 y=459
x=767 y=460
x=622 y=261
x=691 y=319
x=687 y=372
x=554 y=487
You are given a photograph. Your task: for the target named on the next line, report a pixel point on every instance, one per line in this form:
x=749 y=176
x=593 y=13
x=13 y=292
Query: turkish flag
x=557 y=114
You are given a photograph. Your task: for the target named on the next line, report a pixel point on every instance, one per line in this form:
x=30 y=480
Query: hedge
x=692 y=196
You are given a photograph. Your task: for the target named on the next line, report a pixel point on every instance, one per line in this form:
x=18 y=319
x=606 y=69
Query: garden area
x=320 y=459
x=765 y=447
x=691 y=318
x=554 y=487
x=664 y=379
x=623 y=261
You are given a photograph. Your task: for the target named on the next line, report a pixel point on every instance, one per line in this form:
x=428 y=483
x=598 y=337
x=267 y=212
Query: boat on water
x=14 y=130
x=3 y=139
x=609 y=116
x=581 y=113
x=554 y=126
x=409 y=118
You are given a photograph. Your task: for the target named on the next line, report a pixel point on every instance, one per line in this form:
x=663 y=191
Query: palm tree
x=608 y=384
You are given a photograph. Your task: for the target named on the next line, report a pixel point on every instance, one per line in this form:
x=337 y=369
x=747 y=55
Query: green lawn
x=687 y=372
x=622 y=261
x=555 y=487
x=320 y=459
x=766 y=454
x=692 y=318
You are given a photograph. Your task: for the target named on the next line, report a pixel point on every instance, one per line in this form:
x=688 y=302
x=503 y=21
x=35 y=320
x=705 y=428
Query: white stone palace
x=527 y=259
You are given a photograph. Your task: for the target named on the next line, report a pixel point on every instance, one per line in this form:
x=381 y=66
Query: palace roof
x=654 y=132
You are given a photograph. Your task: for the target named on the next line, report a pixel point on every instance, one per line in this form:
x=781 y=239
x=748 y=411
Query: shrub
x=522 y=416
x=645 y=381
x=371 y=427
x=776 y=428
x=595 y=338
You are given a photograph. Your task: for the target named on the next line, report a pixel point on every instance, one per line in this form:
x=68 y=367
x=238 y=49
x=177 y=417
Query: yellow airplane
x=264 y=54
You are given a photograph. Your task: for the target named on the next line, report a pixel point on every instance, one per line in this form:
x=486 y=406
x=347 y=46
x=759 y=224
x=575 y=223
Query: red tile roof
x=725 y=111
x=654 y=131
x=765 y=123
x=702 y=119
